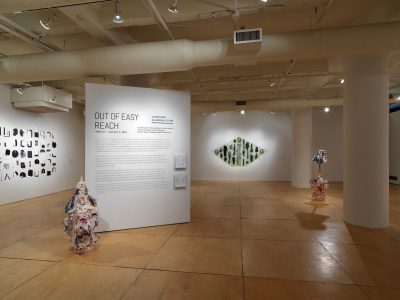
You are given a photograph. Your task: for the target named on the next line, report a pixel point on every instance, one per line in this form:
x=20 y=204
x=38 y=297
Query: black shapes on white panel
x=239 y=152
x=26 y=153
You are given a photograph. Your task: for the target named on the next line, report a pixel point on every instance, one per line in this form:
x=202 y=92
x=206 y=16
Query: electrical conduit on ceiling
x=184 y=55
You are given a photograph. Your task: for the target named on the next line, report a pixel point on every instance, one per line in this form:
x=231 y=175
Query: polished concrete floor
x=247 y=240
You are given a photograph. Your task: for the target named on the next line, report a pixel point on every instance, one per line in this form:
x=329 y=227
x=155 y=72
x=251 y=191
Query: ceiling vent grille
x=241 y=102
x=247 y=36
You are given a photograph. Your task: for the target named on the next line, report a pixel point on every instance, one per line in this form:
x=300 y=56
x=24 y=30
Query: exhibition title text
x=105 y=120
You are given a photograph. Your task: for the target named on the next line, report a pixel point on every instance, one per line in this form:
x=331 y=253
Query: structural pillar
x=301 y=148
x=366 y=141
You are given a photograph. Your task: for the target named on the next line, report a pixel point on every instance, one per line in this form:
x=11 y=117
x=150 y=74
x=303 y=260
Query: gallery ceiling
x=83 y=24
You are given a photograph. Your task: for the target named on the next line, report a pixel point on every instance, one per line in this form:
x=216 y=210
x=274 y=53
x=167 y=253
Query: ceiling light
x=265 y=1
x=398 y=98
x=272 y=84
x=117 y=14
x=47 y=22
x=242 y=112
x=22 y=87
x=214 y=114
x=272 y=112
x=327 y=109
x=342 y=81
x=173 y=8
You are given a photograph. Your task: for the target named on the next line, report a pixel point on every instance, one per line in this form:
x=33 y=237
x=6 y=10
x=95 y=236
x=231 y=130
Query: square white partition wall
x=133 y=136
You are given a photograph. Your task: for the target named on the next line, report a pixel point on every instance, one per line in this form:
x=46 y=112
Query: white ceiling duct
x=183 y=55
x=275 y=104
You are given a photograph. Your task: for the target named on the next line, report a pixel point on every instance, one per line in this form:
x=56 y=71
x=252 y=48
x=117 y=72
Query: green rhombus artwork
x=239 y=152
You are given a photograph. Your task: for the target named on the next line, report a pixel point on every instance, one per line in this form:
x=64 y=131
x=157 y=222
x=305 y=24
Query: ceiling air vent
x=247 y=39
x=241 y=102
x=247 y=36
x=41 y=99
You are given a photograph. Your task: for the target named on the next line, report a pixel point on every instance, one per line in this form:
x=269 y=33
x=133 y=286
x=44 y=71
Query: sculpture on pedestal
x=81 y=220
x=318 y=184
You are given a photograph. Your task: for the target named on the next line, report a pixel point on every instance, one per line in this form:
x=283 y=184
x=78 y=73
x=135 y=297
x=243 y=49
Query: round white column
x=301 y=148
x=366 y=141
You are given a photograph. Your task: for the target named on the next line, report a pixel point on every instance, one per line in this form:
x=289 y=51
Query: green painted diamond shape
x=239 y=152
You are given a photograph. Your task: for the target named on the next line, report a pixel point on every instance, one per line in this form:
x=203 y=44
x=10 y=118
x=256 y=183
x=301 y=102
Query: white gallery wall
x=269 y=131
x=138 y=155
x=68 y=130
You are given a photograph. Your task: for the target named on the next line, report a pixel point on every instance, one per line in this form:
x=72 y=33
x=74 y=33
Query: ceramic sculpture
x=81 y=220
x=318 y=184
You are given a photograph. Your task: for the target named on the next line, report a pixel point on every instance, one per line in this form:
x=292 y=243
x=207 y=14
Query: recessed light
x=327 y=109
x=342 y=81
x=242 y=112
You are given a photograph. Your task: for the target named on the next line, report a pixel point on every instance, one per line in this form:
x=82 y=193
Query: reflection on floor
x=247 y=240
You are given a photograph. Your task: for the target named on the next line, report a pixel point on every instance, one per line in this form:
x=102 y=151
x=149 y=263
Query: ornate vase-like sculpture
x=318 y=184
x=81 y=220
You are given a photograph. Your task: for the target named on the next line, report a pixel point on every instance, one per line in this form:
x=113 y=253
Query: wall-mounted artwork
x=239 y=152
x=26 y=153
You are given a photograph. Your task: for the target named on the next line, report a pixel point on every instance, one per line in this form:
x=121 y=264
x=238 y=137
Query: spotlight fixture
x=342 y=81
x=46 y=23
x=22 y=86
x=327 y=109
x=214 y=114
x=242 y=112
x=265 y=1
x=272 y=112
x=173 y=8
x=398 y=98
x=272 y=84
x=117 y=14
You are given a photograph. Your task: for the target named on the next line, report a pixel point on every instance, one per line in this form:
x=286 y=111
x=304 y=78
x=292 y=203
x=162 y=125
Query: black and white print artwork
x=239 y=152
x=26 y=153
